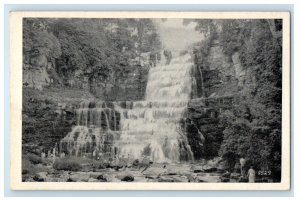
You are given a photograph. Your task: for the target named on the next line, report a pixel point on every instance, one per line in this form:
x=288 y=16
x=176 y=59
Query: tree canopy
x=95 y=47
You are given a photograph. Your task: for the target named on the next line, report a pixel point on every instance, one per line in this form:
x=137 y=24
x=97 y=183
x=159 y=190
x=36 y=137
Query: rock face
x=44 y=122
x=130 y=85
x=218 y=80
x=221 y=74
x=203 y=122
x=79 y=177
x=35 y=77
x=37 y=71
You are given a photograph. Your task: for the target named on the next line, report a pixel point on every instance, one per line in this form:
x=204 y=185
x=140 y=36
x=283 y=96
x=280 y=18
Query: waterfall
x=94 y=133
x=151 y=128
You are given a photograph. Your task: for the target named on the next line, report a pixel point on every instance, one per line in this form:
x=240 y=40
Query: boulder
x=38 y=178
x=207 y=177
x=182 y=169
x=28 y=179
x=136 y=162
x=165 y=179
x=79 y=177
x=42 y=174
x=209 y=169
x=154 y=171
x=93 y=180
x=214 y=174
x=180 y=178
x=197 y=169
x=128 y=178
x=214 y=165
x=125 y=177
x=150 y=177
x=224 y=179
x=226 y=175
x=102 y=178
x=221 y=167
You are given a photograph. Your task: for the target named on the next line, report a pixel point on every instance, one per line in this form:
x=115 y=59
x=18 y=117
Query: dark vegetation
x=70 y=164
x=252 y=129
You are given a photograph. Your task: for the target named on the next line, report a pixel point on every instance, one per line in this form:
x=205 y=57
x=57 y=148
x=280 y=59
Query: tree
x=38 y=41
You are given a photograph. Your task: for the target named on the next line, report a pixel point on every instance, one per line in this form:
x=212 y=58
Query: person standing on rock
x=94 y=154
x=54 y=153
x=117 y=161
x=43 y=155
x=251 y=175
x=242 y=162
x=49 y=154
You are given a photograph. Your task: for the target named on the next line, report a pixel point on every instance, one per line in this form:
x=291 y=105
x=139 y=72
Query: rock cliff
x=222 y=78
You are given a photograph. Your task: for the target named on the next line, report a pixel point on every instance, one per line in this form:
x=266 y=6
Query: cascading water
x=94 y=133
x=141 y=129
x=151 y=128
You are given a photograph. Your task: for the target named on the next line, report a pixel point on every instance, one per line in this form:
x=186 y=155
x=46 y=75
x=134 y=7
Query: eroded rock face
x=35 y=77
x=35 y=73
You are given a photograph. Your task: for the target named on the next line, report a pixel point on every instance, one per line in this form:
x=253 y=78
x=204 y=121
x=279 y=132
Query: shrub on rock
x=70 y=164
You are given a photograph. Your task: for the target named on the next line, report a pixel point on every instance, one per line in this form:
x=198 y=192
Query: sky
x=175 y=36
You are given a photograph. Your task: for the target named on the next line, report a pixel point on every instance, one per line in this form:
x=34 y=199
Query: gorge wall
x=223 y=78
x=129 y=85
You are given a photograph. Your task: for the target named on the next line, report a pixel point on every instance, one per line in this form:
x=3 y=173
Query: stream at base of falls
x=156 y=172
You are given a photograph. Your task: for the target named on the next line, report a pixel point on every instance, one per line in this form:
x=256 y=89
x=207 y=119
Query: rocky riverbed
x=201 y=171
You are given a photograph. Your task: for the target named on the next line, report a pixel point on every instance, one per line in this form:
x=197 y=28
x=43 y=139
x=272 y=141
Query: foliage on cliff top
x=96 y=48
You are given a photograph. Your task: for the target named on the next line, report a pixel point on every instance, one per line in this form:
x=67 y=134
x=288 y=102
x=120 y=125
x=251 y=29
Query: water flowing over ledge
x=149 y=129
